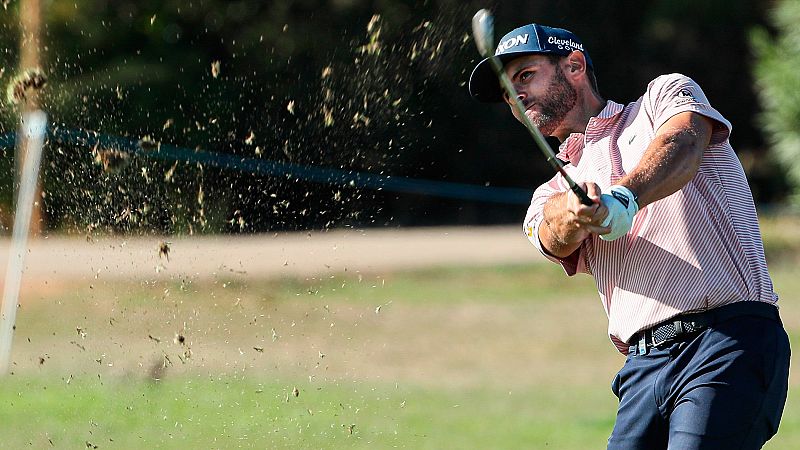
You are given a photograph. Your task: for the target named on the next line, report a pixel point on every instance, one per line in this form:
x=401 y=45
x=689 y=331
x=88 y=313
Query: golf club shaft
x=535 y=133
x=482 y=29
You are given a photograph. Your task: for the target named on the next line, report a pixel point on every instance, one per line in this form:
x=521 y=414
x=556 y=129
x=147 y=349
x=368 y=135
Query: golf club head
x=483 y=32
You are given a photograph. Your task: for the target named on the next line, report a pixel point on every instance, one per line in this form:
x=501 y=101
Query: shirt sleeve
x=572 y=264
x=672 y=94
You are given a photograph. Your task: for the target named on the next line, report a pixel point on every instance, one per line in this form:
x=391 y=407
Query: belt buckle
x=662 y=341
x=677 y=330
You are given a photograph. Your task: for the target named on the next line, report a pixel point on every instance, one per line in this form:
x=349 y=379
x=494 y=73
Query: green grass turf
x=203 y=412
x=516 y=283
x=78 y=404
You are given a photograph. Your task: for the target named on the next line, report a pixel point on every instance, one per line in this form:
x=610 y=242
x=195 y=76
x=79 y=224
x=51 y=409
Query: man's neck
x=578 y=119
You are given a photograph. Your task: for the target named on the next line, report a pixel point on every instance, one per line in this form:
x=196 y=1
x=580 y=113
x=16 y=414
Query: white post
x=33 y=127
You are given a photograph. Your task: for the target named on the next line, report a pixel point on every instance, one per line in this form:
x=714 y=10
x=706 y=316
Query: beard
x=554 y=106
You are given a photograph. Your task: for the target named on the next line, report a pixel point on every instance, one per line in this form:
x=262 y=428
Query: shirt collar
x=572 y=148
x=611 y=109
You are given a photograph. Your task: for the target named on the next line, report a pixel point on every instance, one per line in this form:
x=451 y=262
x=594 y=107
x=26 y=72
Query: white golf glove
x=622 y=206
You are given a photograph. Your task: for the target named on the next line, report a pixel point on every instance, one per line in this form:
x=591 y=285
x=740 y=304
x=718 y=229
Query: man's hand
x=622 y=206
x=567 y=222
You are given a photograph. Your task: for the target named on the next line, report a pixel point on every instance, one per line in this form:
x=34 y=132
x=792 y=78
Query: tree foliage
x=374 y=86
x=778 y=80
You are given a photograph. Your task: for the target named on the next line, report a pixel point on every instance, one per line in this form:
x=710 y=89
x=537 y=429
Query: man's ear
x=576 y=63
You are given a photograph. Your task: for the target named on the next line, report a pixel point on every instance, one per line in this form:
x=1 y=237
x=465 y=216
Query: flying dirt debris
x=20 y=86
x=163 y=252
x=148 y=144
x=112 y=160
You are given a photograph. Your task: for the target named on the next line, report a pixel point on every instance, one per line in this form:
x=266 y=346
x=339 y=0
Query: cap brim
x=483 y=83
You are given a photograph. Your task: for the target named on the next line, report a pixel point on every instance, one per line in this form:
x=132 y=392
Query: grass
x=520 y=283
x=203 y=412
x=781 y=242
x=444 y=358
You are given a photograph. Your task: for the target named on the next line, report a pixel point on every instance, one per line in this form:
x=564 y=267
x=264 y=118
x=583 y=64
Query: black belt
x=685 y=325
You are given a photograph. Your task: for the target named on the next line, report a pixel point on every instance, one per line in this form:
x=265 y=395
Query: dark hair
x=554 y=59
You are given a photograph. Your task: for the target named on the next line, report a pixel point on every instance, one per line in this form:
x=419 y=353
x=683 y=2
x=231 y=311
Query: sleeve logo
x=529 y=231
x=684 y=96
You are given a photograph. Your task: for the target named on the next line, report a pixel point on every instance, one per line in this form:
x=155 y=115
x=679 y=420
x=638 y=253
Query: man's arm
x=672 y=159
x=567 y=222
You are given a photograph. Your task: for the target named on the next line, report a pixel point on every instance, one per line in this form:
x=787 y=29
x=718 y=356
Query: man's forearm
x=556 y=234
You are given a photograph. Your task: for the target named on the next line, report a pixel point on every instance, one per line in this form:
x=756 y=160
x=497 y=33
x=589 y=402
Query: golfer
x=672 y=242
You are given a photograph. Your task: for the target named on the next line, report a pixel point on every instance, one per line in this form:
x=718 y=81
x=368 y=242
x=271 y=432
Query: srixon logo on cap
x=511 y=42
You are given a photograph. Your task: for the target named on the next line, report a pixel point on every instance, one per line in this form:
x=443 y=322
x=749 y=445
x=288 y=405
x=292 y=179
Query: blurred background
x=285 y=224
x=348 y=87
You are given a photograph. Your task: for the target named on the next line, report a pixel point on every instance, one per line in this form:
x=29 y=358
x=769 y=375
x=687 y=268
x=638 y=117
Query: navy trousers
x=724 y=388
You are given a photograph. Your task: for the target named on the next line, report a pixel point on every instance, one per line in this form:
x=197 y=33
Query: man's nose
x=520 y=95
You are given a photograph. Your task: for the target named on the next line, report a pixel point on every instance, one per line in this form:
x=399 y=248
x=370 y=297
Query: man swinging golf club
x=671 y=237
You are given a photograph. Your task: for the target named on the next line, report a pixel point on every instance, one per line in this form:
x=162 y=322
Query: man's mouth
x=530 y=107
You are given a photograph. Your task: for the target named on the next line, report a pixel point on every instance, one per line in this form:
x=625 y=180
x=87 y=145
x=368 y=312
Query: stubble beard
x=554 y=106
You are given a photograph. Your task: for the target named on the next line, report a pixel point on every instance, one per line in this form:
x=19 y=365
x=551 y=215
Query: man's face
x=546 y=94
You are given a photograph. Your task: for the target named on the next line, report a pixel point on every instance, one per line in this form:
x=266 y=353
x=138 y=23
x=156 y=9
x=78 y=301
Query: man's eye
x=525 y=75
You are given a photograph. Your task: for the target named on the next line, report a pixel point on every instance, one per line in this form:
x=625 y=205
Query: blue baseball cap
x=526 y=40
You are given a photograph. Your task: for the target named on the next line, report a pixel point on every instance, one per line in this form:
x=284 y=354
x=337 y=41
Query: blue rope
x=289 y=170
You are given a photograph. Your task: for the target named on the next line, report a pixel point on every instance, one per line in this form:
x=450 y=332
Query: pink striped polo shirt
x=697 y=249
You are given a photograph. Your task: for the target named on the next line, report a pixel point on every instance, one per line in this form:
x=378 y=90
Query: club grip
x=582 y=195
